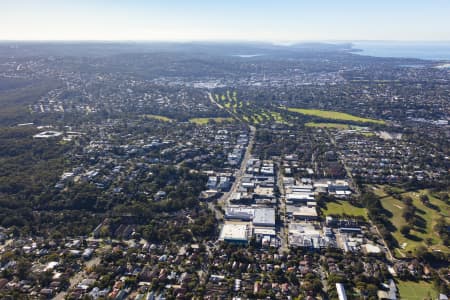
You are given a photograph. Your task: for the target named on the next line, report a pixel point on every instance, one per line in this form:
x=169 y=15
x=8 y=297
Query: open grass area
x=418 y=235
x=158 y=117
x=333 y=115
x=203 y=121
x=328 y=125
x=343 y=207
x=411 y=290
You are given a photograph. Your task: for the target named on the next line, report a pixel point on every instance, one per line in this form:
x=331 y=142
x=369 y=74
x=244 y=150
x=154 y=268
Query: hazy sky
x=275 y=20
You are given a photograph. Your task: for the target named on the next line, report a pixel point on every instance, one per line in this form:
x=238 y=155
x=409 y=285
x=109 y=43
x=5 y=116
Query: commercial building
x=47 y=134
x=299 y=197
x=264 y=217
x=305 y=213
x=260 y=216
x=235 y=233
x=306 y=235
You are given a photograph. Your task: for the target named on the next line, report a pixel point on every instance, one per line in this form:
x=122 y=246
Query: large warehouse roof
x=264 y=217
x=234 y=232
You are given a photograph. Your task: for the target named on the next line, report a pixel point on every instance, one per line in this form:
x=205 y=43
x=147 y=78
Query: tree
x=420 y=251
x=405 y=230
x=425 y=199
x=444 y=197
x=45 y=278
x=407 y=200
x=408 y=213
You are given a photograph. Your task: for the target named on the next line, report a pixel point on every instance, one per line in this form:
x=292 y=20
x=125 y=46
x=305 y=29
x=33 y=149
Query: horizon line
x=281 y=42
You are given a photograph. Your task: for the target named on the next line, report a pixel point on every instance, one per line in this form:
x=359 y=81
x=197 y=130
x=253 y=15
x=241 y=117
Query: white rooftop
x=47 y=134
x=371 y=248
x=264 y=231
x=299 y=196
x=264 y=216
x=306 y=211
x=234 y=232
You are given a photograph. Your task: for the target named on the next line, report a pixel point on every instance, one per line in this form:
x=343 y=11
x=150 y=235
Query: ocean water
x=247 y=55
x=420 y=50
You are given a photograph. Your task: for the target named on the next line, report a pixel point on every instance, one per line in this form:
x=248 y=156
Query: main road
x=224 y=200
x=282 y=212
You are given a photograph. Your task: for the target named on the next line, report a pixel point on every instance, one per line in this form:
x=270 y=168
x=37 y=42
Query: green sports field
x=411 y=290
x=343 y=207
x=333 y=115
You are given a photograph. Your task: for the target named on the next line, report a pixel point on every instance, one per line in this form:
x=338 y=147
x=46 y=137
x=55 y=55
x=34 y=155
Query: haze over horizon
x=201 y=20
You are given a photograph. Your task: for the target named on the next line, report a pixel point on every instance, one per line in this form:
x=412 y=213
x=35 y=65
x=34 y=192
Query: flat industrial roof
x=300 y=196
x=235 y=232
x=264 y=216
x=303 y=229
x=305 y=211
x=260 y=215
x=264 y=231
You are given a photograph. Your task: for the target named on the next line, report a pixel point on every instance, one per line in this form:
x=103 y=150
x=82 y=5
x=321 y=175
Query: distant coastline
x=418 y=50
